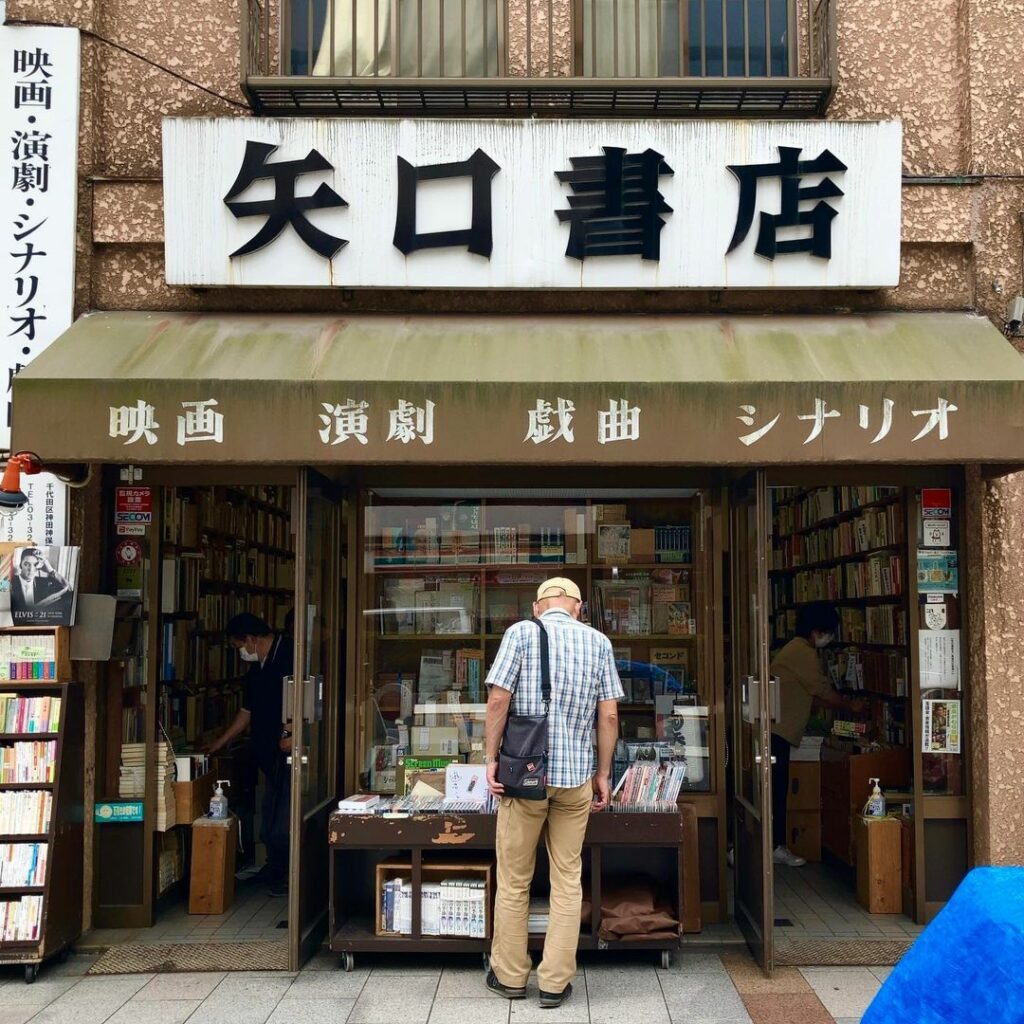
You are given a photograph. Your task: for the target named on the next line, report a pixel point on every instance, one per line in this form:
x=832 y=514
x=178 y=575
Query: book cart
x=50 y=909
x=362 y=847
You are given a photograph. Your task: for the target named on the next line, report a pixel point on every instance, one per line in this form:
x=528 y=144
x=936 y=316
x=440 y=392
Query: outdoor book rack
x=60 y=922
x=664 y=843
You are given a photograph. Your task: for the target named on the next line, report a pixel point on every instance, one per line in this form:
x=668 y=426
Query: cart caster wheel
x=348 y=961
x=487 y=962
x=666 y=959
x=31 y=973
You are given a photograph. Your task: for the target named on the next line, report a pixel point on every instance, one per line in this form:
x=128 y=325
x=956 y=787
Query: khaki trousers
x=520 y=822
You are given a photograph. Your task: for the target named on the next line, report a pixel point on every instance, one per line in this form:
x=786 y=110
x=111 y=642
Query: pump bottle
x=875 y=807
x=219 y=802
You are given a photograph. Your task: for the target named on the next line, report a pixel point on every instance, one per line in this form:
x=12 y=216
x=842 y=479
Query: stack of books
x=29 y=714
x=132 y=783
x=32 y=761
x=20 y=920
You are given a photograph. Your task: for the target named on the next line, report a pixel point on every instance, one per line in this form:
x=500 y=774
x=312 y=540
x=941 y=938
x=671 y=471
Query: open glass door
x=314 y=703
x=751 y=725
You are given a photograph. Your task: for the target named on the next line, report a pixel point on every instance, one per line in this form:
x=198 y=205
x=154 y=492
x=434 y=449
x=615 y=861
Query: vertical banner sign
x=39 y=87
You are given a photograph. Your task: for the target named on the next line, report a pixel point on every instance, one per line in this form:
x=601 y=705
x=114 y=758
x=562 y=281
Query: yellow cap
x=558 y=586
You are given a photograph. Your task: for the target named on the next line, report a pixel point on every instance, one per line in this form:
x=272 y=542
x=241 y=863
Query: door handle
x=758 y=759
x=303 y=760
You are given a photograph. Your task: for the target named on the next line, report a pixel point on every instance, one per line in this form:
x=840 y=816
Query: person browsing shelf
x=270 y=657
x=797 y=666
x=584 y=683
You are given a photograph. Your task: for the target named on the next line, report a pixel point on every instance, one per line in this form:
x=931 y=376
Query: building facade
x=947 y=70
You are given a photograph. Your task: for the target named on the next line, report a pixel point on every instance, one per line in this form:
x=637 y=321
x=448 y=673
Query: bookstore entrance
x=700 y=485
x=850 y=794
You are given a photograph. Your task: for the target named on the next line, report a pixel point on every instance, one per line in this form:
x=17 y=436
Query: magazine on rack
x=38 y=585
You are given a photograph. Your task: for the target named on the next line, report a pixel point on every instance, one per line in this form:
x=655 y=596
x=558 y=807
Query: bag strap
x=545 y=663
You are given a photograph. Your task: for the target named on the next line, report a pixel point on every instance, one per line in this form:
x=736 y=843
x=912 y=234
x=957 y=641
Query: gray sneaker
x=549 y=1000
x=783 y=855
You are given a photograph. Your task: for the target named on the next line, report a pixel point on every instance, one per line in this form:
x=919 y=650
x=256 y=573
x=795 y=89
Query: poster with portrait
x=42 y=584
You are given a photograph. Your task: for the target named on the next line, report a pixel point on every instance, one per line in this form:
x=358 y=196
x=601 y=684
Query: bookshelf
x=41 y=800
x=441 y=582
x=847 y=545
x=174 y=683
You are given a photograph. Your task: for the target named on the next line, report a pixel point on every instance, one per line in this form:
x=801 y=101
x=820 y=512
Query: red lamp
x=11 y=495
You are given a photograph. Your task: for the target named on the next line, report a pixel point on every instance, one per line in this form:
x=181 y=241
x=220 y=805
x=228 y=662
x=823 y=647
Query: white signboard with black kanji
x=39 y=85
x=532 y=204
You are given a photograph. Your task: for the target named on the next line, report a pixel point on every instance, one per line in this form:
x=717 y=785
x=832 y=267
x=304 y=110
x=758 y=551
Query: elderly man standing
x=584 y=682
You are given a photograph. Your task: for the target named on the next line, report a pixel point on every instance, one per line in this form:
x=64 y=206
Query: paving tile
x=328 y=985
x=164 y=1011
x=845 y=991
x=16 y=1014
x=848 y=1020
x=70 y=1014
x=413 y=970
x=696 y=963
x=187 y=985
x=408 y=1001
x=786 y=1008
x=749 y=978
x=311 y=1011
x=459 y=1011
x=575 y=1010
x=464 y=983
x=241 y=988
x=227 y=1011
x=624 y=995
x=39 y=993
x=74 y=966
x=881 y=973
x=701 y=998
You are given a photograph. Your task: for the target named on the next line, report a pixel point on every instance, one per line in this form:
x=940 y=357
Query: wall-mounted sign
x=43 y=518
x=110 y=811
x=39 y=84
x=133 y=504
x=532 y=204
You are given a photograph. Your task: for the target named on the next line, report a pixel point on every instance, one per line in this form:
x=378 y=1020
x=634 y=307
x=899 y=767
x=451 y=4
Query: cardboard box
x=192 y=799
x=879 y=864
x=434 y=740
x=804 y=786
x=211 y=887
x=803 y=834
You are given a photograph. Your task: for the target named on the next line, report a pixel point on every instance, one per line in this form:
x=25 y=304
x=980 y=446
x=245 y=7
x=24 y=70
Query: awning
x=174 y=388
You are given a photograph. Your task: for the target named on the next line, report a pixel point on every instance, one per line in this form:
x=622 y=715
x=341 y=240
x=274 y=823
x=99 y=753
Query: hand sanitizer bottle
x=875 y=807
x=219 y=802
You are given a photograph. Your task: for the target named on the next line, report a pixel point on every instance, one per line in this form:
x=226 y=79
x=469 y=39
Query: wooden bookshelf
x=874 y=522
x=60 y=892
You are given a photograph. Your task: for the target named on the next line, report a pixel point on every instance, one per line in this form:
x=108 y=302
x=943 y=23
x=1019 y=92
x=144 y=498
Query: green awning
x=746 y=390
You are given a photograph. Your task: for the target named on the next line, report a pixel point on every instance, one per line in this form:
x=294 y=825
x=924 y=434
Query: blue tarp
x=968 y=965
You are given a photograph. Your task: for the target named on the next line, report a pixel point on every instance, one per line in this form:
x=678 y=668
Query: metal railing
x=547 y=38
x=504 y=56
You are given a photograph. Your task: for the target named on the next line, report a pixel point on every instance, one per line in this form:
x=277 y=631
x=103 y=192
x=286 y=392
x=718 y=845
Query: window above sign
x=498 y=57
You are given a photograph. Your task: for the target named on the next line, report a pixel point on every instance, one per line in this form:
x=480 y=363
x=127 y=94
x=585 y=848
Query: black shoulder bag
x=523 y=757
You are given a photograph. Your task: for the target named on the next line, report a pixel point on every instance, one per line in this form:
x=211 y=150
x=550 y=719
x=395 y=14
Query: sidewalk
x=699 y=988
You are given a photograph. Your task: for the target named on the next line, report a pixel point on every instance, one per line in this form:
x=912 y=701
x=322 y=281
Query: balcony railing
x=560 y=57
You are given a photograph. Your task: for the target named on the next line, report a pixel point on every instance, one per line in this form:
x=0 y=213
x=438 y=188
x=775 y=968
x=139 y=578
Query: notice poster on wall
x=939 y=658
x=941 y=732
x=938 y=572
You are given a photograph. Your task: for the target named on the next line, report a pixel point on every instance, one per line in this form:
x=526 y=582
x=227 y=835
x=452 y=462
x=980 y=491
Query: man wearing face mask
x=797 y=666
x=270 y=658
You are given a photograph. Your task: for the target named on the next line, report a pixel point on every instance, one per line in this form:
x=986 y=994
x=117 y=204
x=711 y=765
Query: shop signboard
x=553 y=204
x=114 y=811
x=39 y=86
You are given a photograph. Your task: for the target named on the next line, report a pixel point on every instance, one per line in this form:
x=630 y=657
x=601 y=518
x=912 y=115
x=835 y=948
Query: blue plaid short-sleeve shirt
x=582 y=673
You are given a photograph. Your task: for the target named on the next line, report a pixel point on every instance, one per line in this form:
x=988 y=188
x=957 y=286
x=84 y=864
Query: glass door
x=752 y=825
x=313 y=703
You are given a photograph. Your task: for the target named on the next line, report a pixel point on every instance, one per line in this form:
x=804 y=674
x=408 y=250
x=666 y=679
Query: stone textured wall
x=949 y=69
